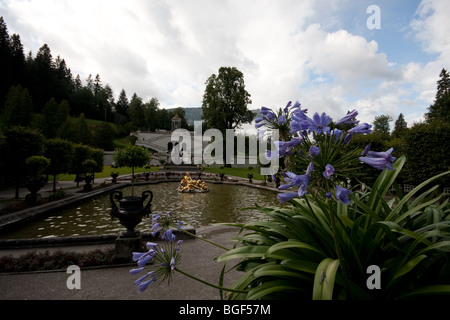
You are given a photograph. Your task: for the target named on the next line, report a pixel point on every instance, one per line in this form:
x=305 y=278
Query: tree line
x=41 y=92
x=425 y=144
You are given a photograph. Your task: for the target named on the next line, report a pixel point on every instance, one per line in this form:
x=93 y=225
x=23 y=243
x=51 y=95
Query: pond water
x=223 y=203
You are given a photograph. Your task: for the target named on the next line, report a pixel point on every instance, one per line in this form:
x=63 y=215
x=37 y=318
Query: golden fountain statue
x=189 y=185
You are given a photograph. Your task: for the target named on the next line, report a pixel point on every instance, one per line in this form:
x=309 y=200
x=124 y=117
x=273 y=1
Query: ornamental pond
x=222 y=204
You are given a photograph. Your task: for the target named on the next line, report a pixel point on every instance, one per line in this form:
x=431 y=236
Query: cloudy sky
x=321 y=53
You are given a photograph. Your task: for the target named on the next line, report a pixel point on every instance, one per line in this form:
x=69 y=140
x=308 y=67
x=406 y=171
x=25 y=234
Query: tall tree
x=18 y=107
x=440 y=110
x=54 y=116
x=121 y=108
x=60 y=153
x=19 y=144
x=225 y=100
x=43 y=77
x=381 y=124
x=151 y=114
x=136 y=112
x=17 y=60
x=400 y=127
x=5 y=61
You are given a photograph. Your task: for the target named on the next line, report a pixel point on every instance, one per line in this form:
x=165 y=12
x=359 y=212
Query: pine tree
x=18 y=107
x=17 y=60
x=5 y=61
x=122 y=104
x=400 y=127
x=443 y=84
x=440 y=110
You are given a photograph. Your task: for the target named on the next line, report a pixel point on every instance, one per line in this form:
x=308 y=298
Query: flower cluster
x=162 y=222
x=280 y=120
x=164 y=258
x=317 y=143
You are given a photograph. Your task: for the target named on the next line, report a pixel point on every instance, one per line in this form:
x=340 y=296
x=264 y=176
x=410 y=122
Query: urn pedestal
x=130 y=212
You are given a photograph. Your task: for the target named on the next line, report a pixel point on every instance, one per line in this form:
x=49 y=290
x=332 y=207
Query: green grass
x=237 y=172
x=106 y=173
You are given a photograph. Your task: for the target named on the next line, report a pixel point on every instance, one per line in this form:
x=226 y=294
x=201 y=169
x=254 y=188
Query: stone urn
x=130 y=211
x=34 y=184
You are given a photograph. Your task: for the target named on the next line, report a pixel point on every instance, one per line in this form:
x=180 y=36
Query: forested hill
x=191 y=114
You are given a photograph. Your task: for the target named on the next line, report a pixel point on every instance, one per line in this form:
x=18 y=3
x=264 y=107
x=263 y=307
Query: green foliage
x=35 y=261
x=18 y=107
x=60 y=153
x=293 y=255
x=225 y=100
x=428 y=152
x=381 y=124
x=440 y=110
x=36 y=165
x=131 y=156
x=54 y=116
x=18 y=144
x=400 y=127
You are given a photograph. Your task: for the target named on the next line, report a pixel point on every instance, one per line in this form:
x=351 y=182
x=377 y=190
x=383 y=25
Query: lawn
x=237 y=172
x=106 y=173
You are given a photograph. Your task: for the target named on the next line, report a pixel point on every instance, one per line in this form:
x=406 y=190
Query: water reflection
x=222 y=204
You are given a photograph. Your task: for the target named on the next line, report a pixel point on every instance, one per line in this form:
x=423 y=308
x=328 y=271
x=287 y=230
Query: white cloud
x=287 y=50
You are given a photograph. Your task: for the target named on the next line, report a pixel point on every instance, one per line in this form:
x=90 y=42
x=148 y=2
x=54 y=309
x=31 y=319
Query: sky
x=324 y=54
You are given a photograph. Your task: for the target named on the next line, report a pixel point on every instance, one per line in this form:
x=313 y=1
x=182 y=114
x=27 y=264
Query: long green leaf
x=292 y=244
x=406 y=198
x=383 y=183
x=301 y=265
x=427 y=291
x=324 y=279
x=409 y=266
x=271 y=287
x=277 y=270
x=243 y=252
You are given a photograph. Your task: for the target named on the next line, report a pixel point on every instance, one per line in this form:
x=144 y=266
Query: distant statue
x=187 y=184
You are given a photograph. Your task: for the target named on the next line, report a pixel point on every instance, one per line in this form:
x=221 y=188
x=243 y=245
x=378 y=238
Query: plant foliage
x=292 y=255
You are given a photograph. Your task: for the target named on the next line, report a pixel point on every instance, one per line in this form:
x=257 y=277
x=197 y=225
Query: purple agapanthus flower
x=361 y=128
x=143 y=285
x=348 y=118
x=168 y=236
x=268 y=113
x=303 y=189
x=337 y=134
x=342 y=195
x=319 y=123
x=288 y=146
x=366 y=150
x=299 y=121
x=314 y=151
x=329 y=171
x=286 y=109
x=295 y=180
x=286 y=196
x=281 y=120
x=380 y=160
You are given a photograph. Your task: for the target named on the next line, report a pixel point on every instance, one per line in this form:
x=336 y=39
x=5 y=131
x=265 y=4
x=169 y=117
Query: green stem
x=200 y=238
x=342 y=261
x=208 y=283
